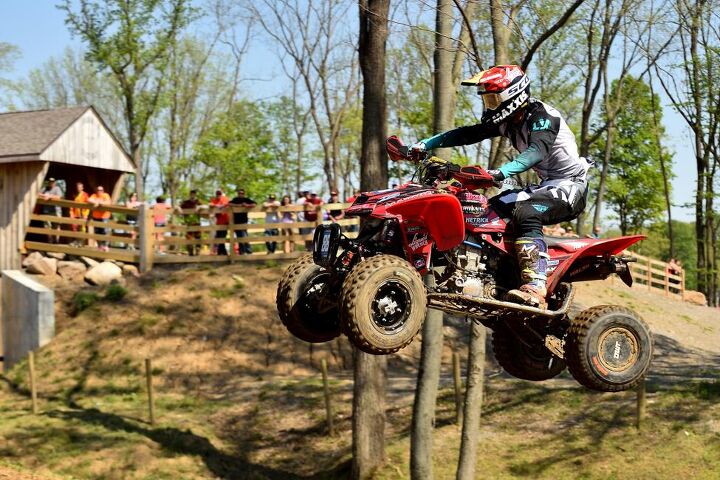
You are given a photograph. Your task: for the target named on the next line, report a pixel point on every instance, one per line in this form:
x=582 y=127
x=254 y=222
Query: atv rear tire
x=608 y=348
x=305 y=304
x=535 y=363
x=383 y=304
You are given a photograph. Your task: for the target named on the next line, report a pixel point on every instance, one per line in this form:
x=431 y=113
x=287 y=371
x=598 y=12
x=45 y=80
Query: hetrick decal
x=418 y=241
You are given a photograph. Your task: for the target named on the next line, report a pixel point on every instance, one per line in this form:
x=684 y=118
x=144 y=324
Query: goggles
x=491 y=100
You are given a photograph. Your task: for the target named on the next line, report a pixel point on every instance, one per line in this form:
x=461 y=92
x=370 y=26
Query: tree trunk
x=603 y=175
x=473 y=403
x=370 y=370
x=368 y=421
x=423 y=420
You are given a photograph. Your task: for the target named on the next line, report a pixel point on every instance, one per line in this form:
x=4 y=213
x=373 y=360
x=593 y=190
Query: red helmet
x=504 y=90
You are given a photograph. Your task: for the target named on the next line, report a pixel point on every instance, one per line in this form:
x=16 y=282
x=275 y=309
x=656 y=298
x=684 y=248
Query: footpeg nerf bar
x=482 y=307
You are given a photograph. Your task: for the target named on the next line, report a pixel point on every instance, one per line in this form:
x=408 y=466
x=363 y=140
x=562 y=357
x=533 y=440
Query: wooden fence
x=195 y=229
x=654 y=275
x=189 y=236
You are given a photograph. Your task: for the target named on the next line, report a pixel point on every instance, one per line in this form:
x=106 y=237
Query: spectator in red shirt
x=222 y=217
x=312 y=202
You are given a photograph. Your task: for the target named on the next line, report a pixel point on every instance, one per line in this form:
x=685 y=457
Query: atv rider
x=546 y=145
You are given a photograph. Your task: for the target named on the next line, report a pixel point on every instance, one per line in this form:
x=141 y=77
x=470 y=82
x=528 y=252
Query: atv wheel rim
x=618 y=349
x=314 y=300
x=391 y=306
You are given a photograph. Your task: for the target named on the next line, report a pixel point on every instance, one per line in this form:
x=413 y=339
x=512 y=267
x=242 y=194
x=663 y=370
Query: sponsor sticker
x=418 y=241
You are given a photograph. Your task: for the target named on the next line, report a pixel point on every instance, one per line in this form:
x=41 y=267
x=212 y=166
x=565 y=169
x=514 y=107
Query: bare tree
x=306 y=33
x=694 y=93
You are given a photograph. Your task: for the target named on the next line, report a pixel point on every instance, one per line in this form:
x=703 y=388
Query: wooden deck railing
x=146 y=244
x=142 y=243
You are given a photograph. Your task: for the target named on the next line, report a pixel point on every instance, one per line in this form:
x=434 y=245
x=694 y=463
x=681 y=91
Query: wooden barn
x=69 y=144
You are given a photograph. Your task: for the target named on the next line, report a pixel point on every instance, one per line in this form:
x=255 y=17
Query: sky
x=37 y=28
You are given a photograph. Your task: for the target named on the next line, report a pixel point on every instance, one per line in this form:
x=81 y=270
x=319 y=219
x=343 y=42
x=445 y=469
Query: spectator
x=674 y=267
x=100 y=197
x=287 y=217
x=570 y=233
x=596 y=232
x=301 y=201
x=557 y=231
x=160 y=211
x=338 y=213
x=132 y=202
x=312 y=204
x=220 y=202
x=79 y=213
x=271 y=206
x=192 y=220
x=52 y=192
x=241 y=218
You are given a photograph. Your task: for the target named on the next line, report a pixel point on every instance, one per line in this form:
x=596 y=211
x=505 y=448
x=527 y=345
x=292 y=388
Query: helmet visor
x=491 y=100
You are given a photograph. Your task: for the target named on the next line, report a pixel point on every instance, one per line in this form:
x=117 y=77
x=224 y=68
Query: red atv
x=371 y=288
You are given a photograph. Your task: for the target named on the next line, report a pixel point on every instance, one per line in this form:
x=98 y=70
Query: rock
x=71 y=270
x=131 y=270
x=43 y=266
x=56 y=255
x=89 y=262
x=103 y=273
x=33 y=257
x=697 y=298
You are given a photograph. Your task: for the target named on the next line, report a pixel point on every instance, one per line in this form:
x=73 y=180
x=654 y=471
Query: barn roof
x=35 y=135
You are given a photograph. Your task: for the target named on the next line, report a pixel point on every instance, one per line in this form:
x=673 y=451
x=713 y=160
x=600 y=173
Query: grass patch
x=115 y=292
x=83 y=300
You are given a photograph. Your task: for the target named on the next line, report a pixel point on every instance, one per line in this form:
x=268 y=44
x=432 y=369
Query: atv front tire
x=608 y=348
x=383 y=304
x=529 y=362
x=306 y=306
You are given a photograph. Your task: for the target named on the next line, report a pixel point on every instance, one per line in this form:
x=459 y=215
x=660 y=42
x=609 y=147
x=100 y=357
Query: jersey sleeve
x=543 y=130
x=462 y=136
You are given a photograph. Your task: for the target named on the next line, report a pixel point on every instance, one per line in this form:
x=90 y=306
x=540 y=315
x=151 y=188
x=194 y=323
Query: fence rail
x=191 y=236
x=654 y=274
x=188 y=236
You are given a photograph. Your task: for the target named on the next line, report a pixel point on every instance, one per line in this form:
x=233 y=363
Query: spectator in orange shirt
x=100 y=197
x=81 y=213
x=219 y=202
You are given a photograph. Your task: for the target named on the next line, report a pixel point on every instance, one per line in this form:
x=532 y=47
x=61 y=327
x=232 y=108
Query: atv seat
x=564 y=242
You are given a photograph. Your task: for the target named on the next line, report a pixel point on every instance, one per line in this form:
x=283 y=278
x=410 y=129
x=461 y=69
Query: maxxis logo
x=510 y=109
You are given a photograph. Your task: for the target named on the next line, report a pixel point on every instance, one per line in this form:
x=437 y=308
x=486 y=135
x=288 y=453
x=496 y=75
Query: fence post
x=231 y=232
x=682 y=283
x=640 y=404
x=328 y=404
x=150 y=393
x=649 y=273
x=457 y=380
x=33 y=384
x=146 y=237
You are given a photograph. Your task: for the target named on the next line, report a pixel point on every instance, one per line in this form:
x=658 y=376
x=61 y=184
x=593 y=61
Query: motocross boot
x=532 y=258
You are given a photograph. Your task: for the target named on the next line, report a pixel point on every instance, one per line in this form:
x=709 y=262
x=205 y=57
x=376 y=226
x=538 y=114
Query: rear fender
x=585 y=250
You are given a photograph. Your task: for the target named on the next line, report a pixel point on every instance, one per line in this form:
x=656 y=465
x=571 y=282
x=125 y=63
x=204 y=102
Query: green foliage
x=115 y=292
x=83 y=300
x=238 y=149
x=634 y=186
